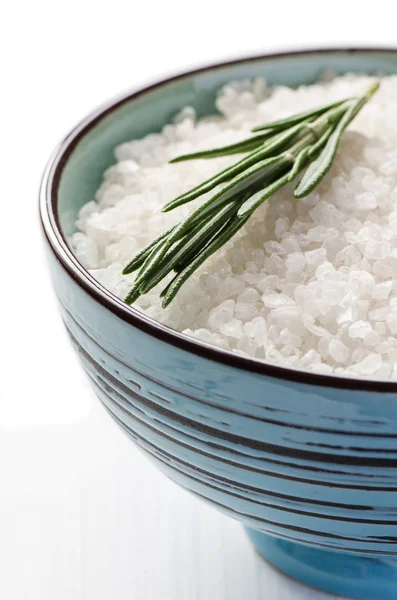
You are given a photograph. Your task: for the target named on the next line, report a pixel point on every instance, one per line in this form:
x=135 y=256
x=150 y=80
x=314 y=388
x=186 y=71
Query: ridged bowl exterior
x=309 y=459
x=311 y=464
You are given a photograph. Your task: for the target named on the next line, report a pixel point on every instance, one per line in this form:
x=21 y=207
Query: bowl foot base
x=354 y=576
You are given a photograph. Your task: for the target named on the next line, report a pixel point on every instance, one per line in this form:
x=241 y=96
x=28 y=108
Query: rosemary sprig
x=273 y=158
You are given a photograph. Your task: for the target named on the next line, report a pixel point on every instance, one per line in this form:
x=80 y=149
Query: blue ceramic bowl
x=308 y=463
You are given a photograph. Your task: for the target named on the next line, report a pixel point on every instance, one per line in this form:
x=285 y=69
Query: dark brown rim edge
x=53 y=233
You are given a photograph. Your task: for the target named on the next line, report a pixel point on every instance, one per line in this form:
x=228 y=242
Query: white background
x=82 y=514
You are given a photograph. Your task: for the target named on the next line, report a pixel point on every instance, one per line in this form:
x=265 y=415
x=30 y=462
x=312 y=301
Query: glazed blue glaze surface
x=334 y=572
x=313 y=465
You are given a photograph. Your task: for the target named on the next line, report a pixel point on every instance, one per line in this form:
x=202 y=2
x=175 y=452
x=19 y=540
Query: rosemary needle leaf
x=152 y=262
x=249 y=177
x=158 y=251
x=199 y=247
x=225 y=235
x=307 y=153
x=132 y=296
x=208 y=208
x=312 y=150
x=254 y=201
x=144 y=254
x=140 y=258
x=222 y=177
x=299 y=162
x=187 y=245
x=257 y=172
x=297 y=118
x=211 y=183
x=244 y=146
x=320 y=167
x=274 y=144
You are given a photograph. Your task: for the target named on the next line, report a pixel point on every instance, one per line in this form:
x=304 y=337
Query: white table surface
x=83 y=515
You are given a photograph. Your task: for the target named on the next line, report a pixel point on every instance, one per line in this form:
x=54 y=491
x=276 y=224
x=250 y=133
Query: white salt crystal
x=86 y=250
x=202 y=334
x=273 y=355
x=292 y=353
x=315 y=329
x=111 y=277
x=247 y=345
x=257 y=330
x=295 y=262
x=322 y=368
x=380 y=314
x=361 y=281
x=248 y=295
x=348 y=256
x=267 y=282
x=326 y=214
x=382 y=290
x=273 y=333
x=221 y=314
x=391 y=323
x=252 y=278
x=127 y=167
x=99 y=231
x=375 y=249
x=382 y=348
x=384 y=371
x=389 y=167
x=111 y=195
x=288 y=338
x=273 y=248
x=87 y=210
x=245 y=311
x=325 y=271
x=366 y=201
x=333 y=292
x=230 y=287
x=338 y=351
x=380 y=328
x=281 y=227
x=209 y=282
x=359 y=329
x=323 y=346
x=291 y=244
x=232 y=328
x=276 y=300
x=377 y=185
x=320 y=233
x=372 y=338
x=385 y=268
x=311 y=358
x=288 y=316
x=368 y=365
x=314 y=258
x=187 y=113
x=360 y=354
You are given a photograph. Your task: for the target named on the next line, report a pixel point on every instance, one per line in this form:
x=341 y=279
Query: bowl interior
x=90 y=147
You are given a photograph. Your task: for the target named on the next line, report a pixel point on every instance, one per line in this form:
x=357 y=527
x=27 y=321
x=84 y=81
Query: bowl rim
x=49 y=217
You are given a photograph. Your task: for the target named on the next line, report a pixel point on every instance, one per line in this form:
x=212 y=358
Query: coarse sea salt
x=308 y=283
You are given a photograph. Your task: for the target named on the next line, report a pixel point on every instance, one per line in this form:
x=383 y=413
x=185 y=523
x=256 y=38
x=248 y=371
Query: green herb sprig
x=273 y=158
